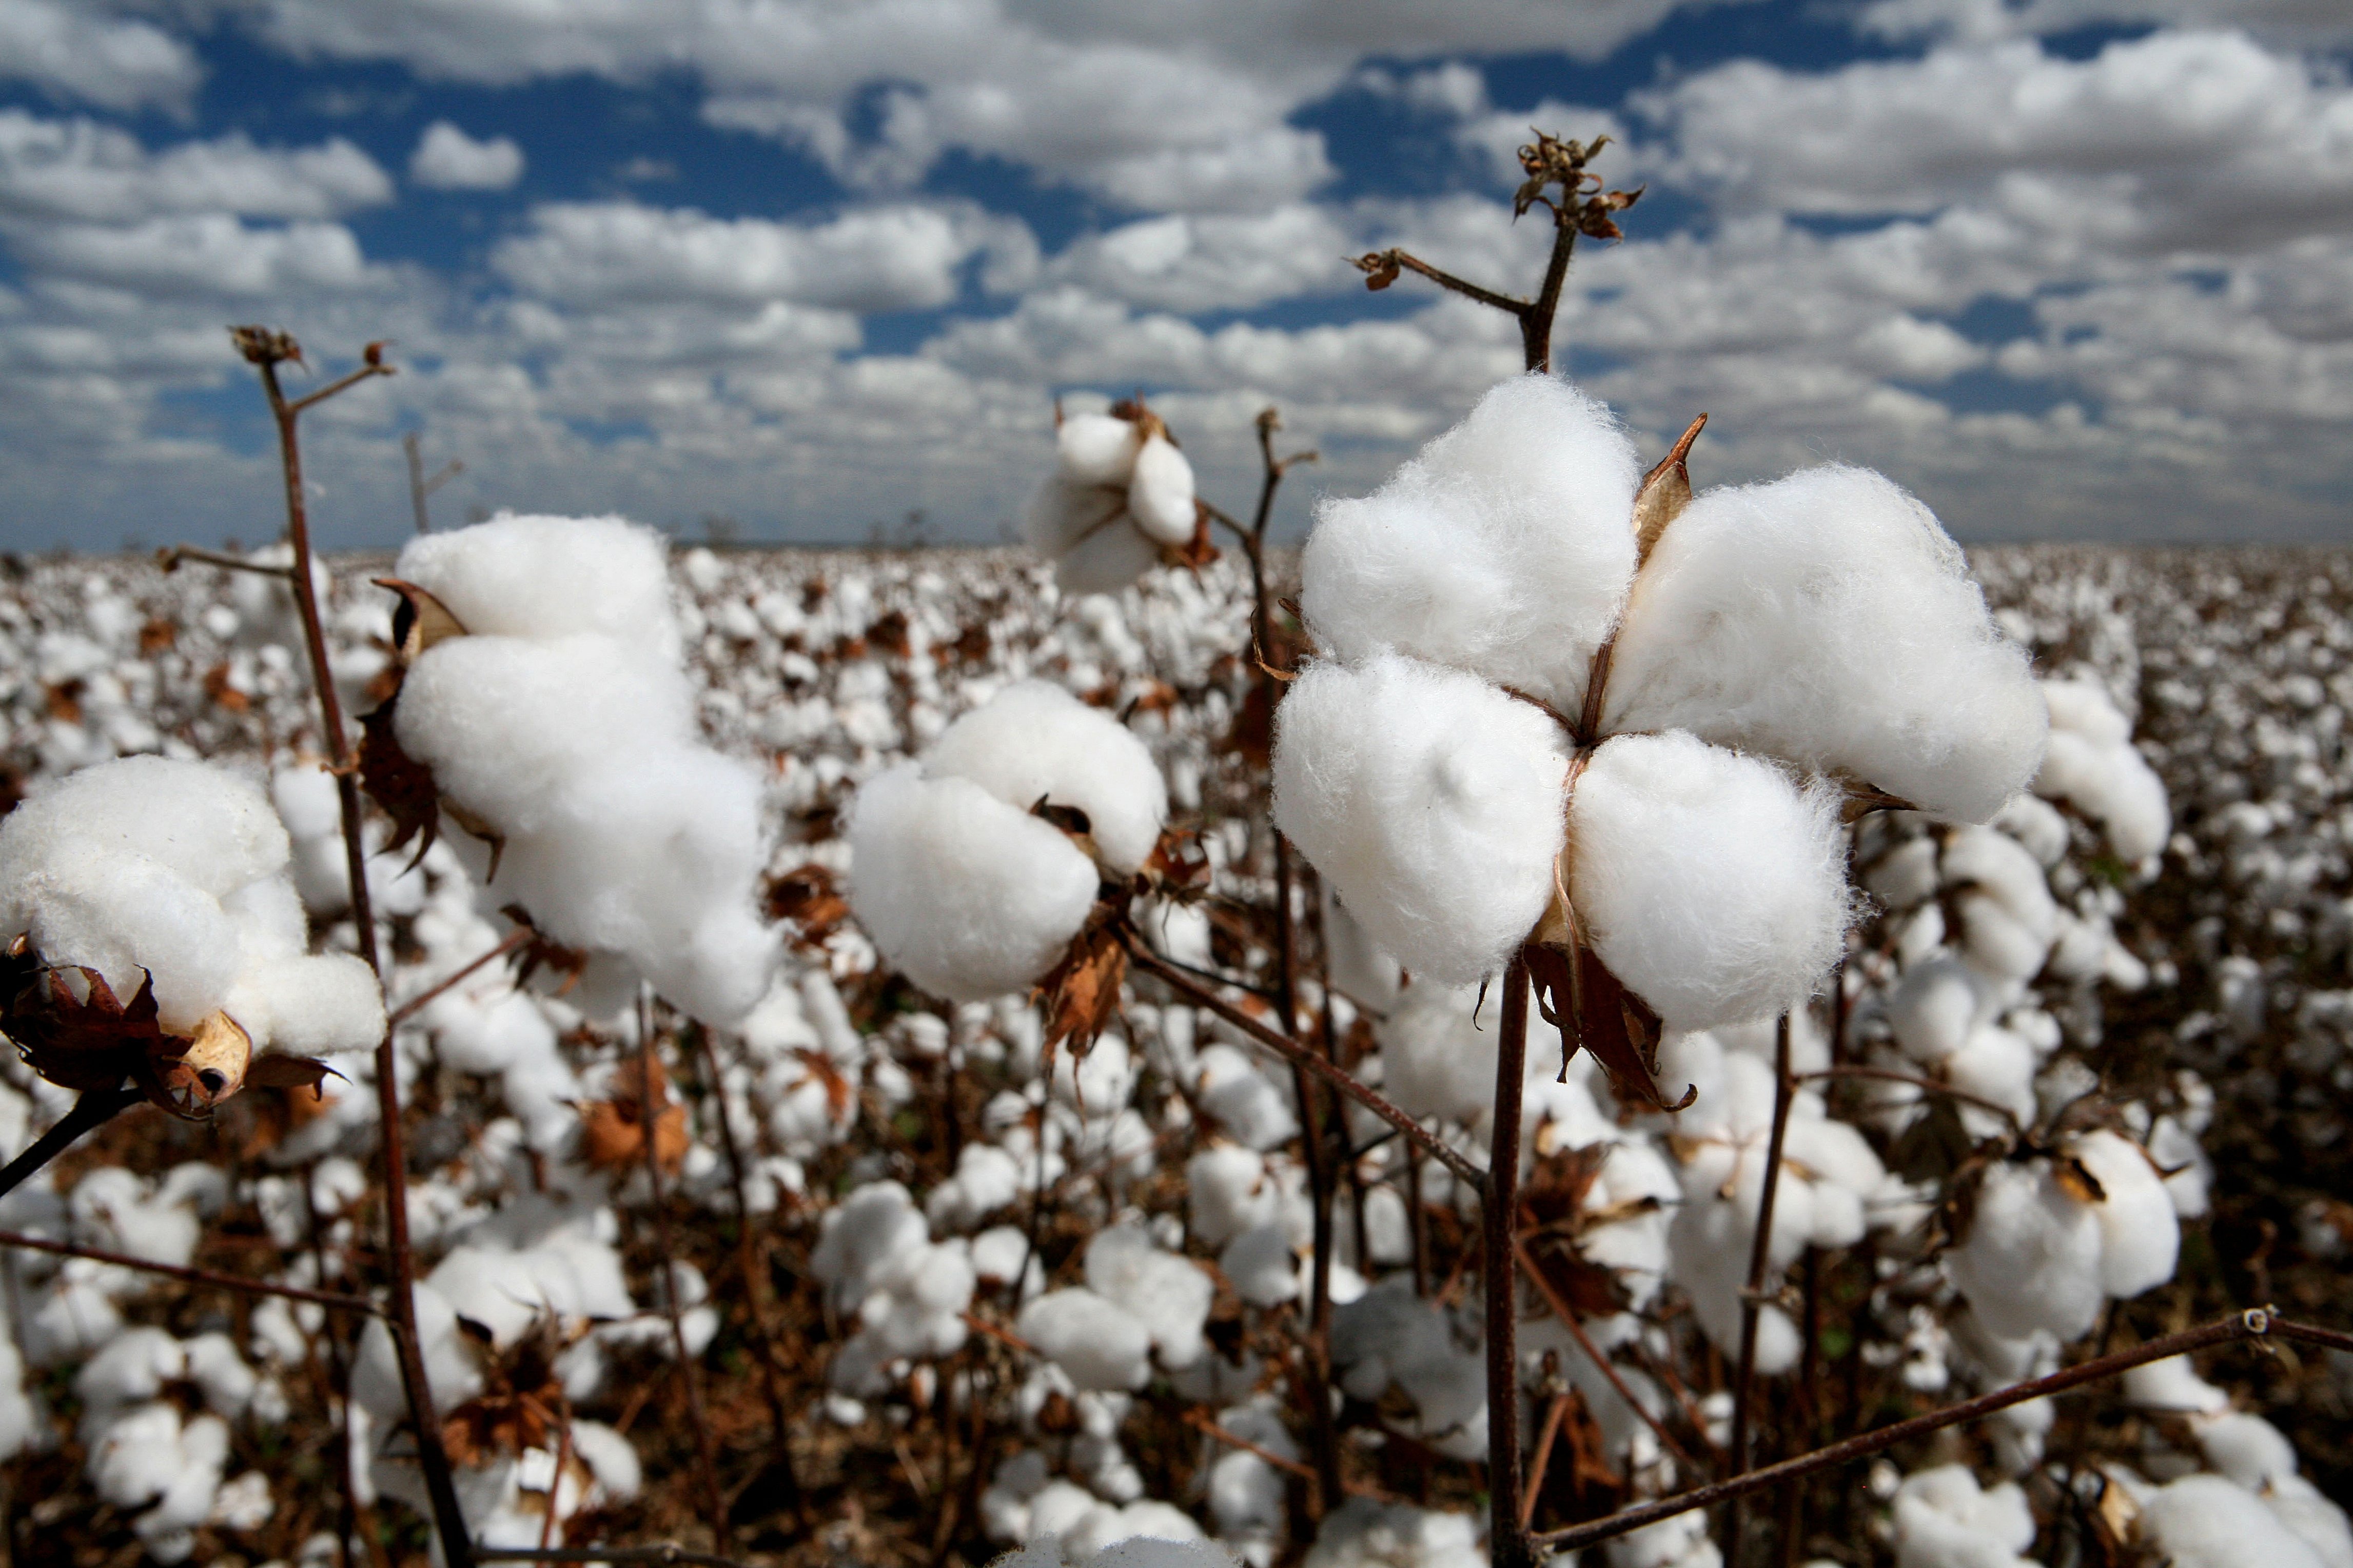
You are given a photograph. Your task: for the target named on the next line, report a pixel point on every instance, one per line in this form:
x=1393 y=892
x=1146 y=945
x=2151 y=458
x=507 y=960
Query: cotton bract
x=1120 y=493
x=564 y=721
x=148 y=869
x=964 y=888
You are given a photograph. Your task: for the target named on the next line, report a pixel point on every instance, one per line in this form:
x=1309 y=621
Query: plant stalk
x=1507 y=1539
x=1759 y=1249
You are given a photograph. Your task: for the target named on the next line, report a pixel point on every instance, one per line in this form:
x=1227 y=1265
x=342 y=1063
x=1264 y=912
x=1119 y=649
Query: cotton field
x=868 y=1139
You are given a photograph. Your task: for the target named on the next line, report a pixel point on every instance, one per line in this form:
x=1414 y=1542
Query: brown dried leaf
x=1593 y=1009
x=1556 y=1187
x=85 y=1041
x=1082 y=992
x=156 y=637
x=1380 y=267
x=401 y=786
x=273 y=1071
x=612 y=1129
x=218 y=691
x=1178 y=866
x=1666 y=491
x=806 y=896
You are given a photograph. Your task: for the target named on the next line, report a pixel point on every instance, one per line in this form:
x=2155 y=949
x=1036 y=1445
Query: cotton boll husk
x=550 y=577
x=1096 y=1343
x=2031 y=1258
x=1709 y=883
x=2204 y=1521
x=2140 y=1236
x=1033 y=742
x=1431 y=800
x=969 y=897
x=1160 y=492
x=1826 y=618
x=1503 y=548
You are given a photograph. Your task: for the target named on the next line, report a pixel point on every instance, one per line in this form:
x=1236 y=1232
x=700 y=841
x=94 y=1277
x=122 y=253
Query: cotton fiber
x=2140 y=1235
x=2205 y=1522
x=1362 y=1533
x=1431 y=800
x=1165 y=1291
x=1120 y=493
x=177 y=871
x=2092 y=765
x=1097 y=1343
x=1827 y=619
x=1706 y=880
x=2043 y=1253
x=564 y=721
x=1503 y=548
x=1945 y=1519
x=961 y=886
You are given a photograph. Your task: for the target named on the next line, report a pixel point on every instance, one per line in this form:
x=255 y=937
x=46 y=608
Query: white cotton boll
x=1709 y=883
x=986 y=1178
x=610 y=1458
x=1431 y=800
x=206 y=825
x=549 y=577
x=2140 y=1236
x=1097 y=449
x=1034 y=741
x=1934 y=1009
x=1094 y=1343
x=1943 y=1520
x=2083 y=707
x=2002 y=868
x=1994 y=1064
x=2318 y=1522
x=1826 y=618
x=2173 y=1384
x=1435 y=1060
x=967 y=896
x=1249 y=1105
x=1503 y=548
x=1905 y=875
x=1154 y=1544
x=2031 y=1258
x=132 y=921
x=1169 y=1295
x=1160 y=493
x=868 y=1239
x=313 y=1004
x=1262 y=1265
x=1362 y=1533
x=1228 y=1189
x=2249 y=1450
x=2204 y=1521
x=1085 y=531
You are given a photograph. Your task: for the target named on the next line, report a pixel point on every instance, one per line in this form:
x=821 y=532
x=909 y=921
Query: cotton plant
x=1566 y=711
x=1120 y=501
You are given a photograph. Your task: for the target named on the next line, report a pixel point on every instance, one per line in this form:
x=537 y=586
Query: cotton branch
x=1557 y=180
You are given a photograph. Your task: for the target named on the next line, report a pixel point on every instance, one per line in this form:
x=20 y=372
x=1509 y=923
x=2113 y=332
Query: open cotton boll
x=1431 y=800
x=322 y=1003
x=2031 y=1256
x=1826 y=618
x=2092 y=765
x=1098 y=448
x=1094 y=1343
x=1084 y=529
x=1503 y=548
x=967 y=895
x=548 y=577
x=1168 y=1294
x=1944 y=1520
x=2204 y=1521
x=1706 y=880
x=1034 y=741
x=1362 y=1533
x=1160 y=492
x=2140 y=1235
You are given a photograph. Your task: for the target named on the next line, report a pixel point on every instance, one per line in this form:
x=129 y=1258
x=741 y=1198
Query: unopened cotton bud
x=1706 y=880
x=1826 y=618
x=1503 y=548
x=1160 y=494
x=1431 y=800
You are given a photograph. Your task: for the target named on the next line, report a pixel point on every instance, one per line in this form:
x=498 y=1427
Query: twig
x=333 y=1299
x=649 y=1117
x=419 y=487
x=1759 y=1251
x=1293 y=1051
x=1560 y=1310
x=433 y=993
x=95 y=1108
x=1463 y=286
x=170 y=557
x=1928 y=1085
x=2258 y=1322
x=1507 y=1539
x=1232 y=1439
x=265 y=350
x=1542 y=1460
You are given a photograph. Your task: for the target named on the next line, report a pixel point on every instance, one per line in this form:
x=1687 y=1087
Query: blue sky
x=2069 y=268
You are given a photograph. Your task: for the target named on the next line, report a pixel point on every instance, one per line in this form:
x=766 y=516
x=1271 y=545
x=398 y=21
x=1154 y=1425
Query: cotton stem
x=1507 y=1541
x=1759 y=1248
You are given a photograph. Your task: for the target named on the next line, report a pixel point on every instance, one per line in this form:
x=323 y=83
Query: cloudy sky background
x=2070 y=268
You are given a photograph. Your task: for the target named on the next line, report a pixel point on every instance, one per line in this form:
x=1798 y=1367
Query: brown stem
x=1542 y=1460
x=2254 y=1323
x=433 y=1459
x=1560 y=1310
x=433 y=993
x=1759 y=1248
x=1291 y=1050
x=1469 y=290
x=706 y=1457
x=1507 y=1541
x=333 y=1299
x=1929 y=1085
x=95 y=1108
x=1322 y=1436
x=169 y=559
x=1535 y=319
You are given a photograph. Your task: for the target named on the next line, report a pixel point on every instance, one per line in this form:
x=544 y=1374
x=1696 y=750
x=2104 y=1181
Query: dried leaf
x=1666 y=491
x=1178 y=866
x=1558 y=1184
x=156 y=637
x=806 y=896
x=838 y=1094
x=273 y=1071
x=1380 y=267
x=79 y=1037
x=401 y=786
x=1593 y=1009
x=612 y=1129
x=218 y=691
x=1082 y=992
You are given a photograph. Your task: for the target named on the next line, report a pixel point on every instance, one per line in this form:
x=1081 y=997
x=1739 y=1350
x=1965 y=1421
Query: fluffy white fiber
x=1944 y=1520
x=2204 y=1521
x=2041 y=1254
x=564 y=721
x=1429 y=799
x=1708 y=882
x=178 y=871
x=958 y=884
x=1503 y=548
x=2092 y=765
x=1826 y=618
x=1119 y=491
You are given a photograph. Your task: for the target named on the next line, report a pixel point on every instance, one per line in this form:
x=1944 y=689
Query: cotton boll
x=2031 y=1256
x=1826 y=619
x=1261 y=1265
x=1905 y=875
x=969 y=897
x=550 y=577
x=206 y=825
x=1084 y=529
x=2173 y=1384
x=1435 y=1060
x=2314 y=1519
x=1707 y=882
x=1943 y=1520
x=1098 y=1345
x=2002 y=868
x=1227 y=1190
x=1160 y=493
x=1934 y=1007
x=2140 y=1236
x=867 y=1239
x=1098 y=448
x=313 y=1004
x=1503 y=548
x=1249 y=1105
x=2249 y=1450
x=611 y=1458
x=1362 y=1533
x=1993 y=1064
x=2204 y=1521
x=1033 y=742
x=1431 y=800
x=1169 y=1295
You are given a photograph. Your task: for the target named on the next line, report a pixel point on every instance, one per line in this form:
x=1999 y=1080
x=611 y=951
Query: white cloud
x=447 y=159
x=1982 y=21
x=874 y=259
x=206 y=254
x=80 y=170
x=1189 y=263
x=116 y=63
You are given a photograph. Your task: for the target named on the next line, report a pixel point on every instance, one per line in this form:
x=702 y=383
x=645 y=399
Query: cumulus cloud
x=116 y=63
x=447 y=159
x=209 y=254
x=80 y=170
